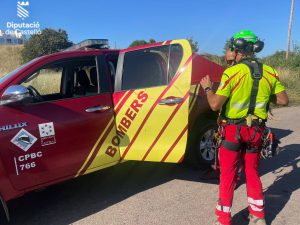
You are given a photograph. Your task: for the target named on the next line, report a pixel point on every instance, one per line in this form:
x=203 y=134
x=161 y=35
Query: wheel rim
x=207 y=146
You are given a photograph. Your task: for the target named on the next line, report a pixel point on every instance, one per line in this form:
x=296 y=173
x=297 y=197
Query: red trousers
x=229 y=162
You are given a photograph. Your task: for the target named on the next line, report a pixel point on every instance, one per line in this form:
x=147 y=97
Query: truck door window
x=176 y=53
x=74 y=77
x=46 y=81
x=145 y=68
x=111 y=61
x=150 y=67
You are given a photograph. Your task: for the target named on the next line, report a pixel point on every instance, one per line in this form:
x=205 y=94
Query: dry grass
x=10 y=58
x=291 y=81
x=47 y=82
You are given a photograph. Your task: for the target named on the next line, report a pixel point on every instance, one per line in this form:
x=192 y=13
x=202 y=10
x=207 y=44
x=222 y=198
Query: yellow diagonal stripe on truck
x=95 y=146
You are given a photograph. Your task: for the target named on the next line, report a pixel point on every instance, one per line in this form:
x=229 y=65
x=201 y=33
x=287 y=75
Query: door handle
x=171 y=101
x=98 y=109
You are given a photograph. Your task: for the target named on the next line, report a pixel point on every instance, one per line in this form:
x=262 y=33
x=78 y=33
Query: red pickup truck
x=74 y=112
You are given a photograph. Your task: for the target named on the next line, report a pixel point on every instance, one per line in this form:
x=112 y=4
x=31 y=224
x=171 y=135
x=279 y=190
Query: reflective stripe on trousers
x=225 y=209
x=256 y=205
x=259 y=202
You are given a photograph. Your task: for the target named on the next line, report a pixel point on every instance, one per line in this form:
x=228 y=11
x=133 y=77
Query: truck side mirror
x=15 y=94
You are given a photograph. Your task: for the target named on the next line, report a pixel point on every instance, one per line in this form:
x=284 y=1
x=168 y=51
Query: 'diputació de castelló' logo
x=22 y=9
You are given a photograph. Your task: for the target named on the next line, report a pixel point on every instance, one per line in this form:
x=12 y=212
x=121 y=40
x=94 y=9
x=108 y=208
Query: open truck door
x=151 y=101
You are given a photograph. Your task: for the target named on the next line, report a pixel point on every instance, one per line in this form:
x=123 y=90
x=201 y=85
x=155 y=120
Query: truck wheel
x=4 y=213
x=201 y=153
x=3 y=219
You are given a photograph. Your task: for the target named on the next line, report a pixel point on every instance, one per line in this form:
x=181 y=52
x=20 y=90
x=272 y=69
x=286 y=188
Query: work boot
x=257 y=221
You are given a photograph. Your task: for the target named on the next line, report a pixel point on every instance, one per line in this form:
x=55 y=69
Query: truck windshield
x=12 y=73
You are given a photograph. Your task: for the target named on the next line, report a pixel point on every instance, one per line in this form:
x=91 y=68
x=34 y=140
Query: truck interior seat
x=94 y=80
x=112 y=70
x=82 y=84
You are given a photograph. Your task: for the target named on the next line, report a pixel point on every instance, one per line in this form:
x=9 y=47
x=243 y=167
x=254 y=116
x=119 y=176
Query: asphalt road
x=153 y=193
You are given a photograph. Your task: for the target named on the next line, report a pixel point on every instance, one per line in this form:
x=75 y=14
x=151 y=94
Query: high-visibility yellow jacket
x=236 y=85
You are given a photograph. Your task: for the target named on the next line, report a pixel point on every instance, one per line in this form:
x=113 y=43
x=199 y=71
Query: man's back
x=236 y=85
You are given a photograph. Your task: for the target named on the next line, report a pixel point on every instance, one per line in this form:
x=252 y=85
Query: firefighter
x=243 y=95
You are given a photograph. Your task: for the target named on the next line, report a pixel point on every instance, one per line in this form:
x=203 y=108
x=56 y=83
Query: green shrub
x=48 y=42
x=291 y=80
x=278 y=60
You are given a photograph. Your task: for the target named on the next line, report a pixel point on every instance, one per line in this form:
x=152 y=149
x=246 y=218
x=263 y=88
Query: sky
x=209 y=22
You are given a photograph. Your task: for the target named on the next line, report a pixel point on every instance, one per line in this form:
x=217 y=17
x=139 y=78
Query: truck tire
x=3 y=219
x=4 y=213
x=202 y=148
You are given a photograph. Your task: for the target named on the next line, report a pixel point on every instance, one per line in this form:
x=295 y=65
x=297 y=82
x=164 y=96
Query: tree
x=194 y=44
x=151 y=41
x=290 y=29
x=141 y=42
x=48 y=42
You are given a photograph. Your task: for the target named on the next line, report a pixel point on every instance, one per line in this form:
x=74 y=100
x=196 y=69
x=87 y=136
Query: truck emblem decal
x=47 y=133
x=24 y=140
x=12 y=126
